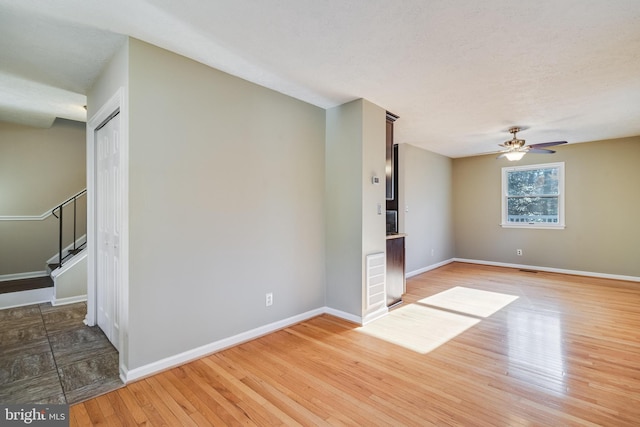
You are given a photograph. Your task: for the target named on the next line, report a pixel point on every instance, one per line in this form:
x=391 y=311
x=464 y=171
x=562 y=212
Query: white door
x=108 y=224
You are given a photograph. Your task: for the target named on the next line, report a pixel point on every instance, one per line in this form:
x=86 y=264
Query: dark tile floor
x=47 y=355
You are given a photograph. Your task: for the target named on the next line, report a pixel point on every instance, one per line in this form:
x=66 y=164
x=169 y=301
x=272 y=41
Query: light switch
x=379 y=208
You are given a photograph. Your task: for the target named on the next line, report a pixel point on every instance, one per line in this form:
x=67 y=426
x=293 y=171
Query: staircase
x=78 y=246
x=70 y=278
x=68 y=268
x=68 y=254
x=66 y=278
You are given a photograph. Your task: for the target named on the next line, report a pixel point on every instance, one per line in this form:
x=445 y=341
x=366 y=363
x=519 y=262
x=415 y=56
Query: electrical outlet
x=269 y=299
x=433 y=252
x=519 y=252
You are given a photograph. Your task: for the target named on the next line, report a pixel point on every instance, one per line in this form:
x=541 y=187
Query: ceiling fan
x=515 y=148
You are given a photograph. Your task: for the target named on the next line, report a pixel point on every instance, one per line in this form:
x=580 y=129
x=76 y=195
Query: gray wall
x=425 y=187
x=373 y=195
x=113 y=77
x=344 y=207
x=226 y=203
x=39 y=168
x=72 y=283
x=236 y=190
x=602 y=205
x=355 y=151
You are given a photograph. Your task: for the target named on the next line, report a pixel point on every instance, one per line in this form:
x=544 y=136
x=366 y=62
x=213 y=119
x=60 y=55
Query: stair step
x=70 y=253
x=25 y=284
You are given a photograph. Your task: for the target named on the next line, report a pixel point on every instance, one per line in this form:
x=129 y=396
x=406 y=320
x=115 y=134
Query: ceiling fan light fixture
x=515 y=148
x=513 y=156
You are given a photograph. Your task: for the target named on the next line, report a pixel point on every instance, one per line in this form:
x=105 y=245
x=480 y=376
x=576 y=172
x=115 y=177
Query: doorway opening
x=107 y=223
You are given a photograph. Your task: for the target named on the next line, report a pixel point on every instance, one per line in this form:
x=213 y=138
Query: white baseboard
x=205 y=350
x=19 y=299
x=19 y=276
x=381 y=312
x=428 y=268
x=343 y=315
x=551 y=270
x=68 y=300
x=196 y=353
x=524 y=266
x=128 y=376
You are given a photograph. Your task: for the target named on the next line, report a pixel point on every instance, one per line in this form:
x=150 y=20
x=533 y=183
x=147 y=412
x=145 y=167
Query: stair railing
x=60 y=209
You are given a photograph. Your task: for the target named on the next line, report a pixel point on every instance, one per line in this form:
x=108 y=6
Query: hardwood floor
x=559 y=350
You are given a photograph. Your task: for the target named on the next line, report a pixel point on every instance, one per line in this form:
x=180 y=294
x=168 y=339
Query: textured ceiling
x=459 y=73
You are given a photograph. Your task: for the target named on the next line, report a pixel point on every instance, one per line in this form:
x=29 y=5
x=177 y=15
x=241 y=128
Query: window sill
x=535 y=226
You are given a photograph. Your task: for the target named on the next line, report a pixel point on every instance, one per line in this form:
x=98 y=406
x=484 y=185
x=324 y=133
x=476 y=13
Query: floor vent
x=528 y=271
x=376 y=272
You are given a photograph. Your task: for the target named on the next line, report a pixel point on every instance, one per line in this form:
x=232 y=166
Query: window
x=533 y=196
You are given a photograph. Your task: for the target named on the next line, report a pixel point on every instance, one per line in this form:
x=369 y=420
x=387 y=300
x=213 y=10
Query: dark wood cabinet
x=395 y=281
x=395 y=270
x=389 y=165
x=392 y=205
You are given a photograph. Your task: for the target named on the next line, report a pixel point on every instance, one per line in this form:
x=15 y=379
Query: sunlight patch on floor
x=419 y=328
x=431 y=322
x=535 y=351
x=474 y=302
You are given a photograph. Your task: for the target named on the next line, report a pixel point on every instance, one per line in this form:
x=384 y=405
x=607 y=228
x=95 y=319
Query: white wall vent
x=376 y=273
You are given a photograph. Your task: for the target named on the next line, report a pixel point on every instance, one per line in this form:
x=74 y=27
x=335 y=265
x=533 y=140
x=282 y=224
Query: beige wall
x=39 y=168
x=602 y=205
x=425 y=207
x=226 y=203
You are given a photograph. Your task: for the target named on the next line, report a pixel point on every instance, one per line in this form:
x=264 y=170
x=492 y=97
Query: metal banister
x=59 y=208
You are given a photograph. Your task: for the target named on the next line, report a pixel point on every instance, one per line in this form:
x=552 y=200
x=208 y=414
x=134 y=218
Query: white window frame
x=561 y=196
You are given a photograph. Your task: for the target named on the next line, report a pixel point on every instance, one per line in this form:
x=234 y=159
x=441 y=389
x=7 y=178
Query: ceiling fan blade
x=547 y=144
x=501 y=155
x=539 y=150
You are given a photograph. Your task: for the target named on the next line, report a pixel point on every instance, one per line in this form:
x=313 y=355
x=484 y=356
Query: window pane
x=533 y=196
x=533 y=182
x=532 y=209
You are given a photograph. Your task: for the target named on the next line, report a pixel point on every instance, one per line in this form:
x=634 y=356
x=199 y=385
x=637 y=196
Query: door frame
x=116 y=103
